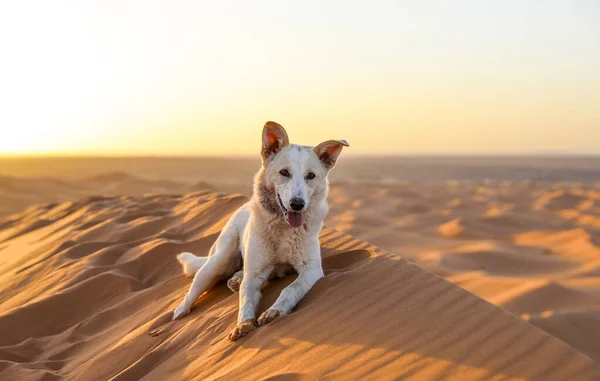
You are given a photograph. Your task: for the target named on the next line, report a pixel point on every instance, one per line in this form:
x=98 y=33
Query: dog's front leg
x=249 y=298
x=292 y=294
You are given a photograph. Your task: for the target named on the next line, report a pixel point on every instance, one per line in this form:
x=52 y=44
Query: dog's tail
x=191 y=263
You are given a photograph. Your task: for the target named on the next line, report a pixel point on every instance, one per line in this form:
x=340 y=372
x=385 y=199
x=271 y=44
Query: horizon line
x=246 y=156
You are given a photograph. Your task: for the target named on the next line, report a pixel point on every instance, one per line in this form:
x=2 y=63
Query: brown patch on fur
x=266 y=196
x=268 y=199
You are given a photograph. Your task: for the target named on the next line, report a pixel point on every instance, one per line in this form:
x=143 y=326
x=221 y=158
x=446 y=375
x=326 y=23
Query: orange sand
x=87 y=286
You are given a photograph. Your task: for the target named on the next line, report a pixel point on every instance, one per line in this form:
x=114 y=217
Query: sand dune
x=88 y=276
x=519 y=246
x=88 y=295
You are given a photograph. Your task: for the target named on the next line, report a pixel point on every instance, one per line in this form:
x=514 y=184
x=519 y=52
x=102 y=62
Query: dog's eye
x=310 y=176
x=284 y=173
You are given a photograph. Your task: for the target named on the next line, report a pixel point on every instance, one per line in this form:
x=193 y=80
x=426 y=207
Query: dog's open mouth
x=294 y=219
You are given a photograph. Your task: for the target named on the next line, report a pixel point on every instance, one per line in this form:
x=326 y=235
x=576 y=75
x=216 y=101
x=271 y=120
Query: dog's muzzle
x=293 y=218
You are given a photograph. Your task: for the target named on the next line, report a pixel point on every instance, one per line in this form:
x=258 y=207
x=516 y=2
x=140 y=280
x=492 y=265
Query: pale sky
x=391 y=77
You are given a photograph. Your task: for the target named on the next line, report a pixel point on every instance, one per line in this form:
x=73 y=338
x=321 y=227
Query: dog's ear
x=329 y=151
x=274 y=138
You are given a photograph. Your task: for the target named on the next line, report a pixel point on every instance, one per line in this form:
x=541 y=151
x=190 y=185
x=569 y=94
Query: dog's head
x=294 y=175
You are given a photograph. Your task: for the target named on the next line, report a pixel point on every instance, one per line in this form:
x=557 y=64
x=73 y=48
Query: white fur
x=260 y=239
x=191 y=263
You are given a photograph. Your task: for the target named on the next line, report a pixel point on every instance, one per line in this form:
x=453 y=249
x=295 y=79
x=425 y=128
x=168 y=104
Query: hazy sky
x=202 y=77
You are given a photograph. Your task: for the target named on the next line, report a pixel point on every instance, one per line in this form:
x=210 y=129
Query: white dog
x=276 y=231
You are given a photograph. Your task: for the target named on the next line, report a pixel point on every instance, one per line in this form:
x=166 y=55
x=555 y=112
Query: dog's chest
x=290 y=247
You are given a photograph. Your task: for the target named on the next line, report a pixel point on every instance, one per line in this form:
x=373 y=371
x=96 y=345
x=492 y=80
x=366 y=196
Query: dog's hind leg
x=223 y=260
x=234 y=282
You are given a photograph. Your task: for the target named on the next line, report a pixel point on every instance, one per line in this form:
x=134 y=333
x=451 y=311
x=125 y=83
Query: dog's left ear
x=274 y=138
x=329 y=151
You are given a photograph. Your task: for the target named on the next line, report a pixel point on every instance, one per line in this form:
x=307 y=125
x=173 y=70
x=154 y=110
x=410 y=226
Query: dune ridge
x=87 y=289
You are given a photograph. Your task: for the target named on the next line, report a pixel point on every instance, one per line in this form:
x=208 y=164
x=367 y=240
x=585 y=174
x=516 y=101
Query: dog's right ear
x=329 y=151
x=274 y=138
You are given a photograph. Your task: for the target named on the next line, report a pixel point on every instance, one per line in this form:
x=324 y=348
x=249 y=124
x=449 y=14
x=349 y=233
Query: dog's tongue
x=294 y=219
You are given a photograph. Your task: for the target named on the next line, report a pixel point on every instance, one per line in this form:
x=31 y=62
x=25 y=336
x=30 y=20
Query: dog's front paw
x=269 y=315
x=242 y=330
x=180 y=311
x=234 y=283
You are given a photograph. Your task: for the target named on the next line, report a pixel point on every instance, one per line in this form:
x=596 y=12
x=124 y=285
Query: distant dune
x=88 y=277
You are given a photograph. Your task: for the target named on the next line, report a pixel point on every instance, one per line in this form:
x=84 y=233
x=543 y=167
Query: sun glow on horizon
x=196 y=78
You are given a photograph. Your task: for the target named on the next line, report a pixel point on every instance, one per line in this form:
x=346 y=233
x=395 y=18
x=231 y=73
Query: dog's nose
x=297 y=203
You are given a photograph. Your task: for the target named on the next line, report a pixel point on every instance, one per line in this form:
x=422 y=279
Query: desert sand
x=436 y=269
